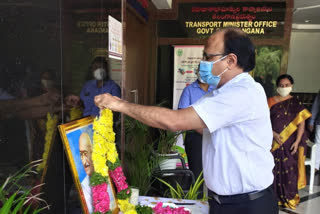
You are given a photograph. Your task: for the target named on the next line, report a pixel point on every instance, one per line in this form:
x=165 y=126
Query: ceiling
x=306 y=10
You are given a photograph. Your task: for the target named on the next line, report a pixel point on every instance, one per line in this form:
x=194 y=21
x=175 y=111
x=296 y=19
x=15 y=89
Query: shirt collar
x=94 y=82
x=195 y=84
x=232 y=81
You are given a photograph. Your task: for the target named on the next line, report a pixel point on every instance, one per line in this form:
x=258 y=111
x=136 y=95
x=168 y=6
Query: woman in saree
x=288 y=117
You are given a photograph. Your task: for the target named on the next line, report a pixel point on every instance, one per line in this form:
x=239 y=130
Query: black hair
x=239 y=43
x=51 y=73
x=284 y=76
x=104 y=63
x=102 y=60
x=269 y=78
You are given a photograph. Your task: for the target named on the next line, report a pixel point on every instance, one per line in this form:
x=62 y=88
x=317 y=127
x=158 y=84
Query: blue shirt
x=237 y=141
x=90 y=90
x=191 y=94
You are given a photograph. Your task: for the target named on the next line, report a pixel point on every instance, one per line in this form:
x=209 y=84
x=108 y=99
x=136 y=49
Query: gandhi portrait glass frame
x=70 y=135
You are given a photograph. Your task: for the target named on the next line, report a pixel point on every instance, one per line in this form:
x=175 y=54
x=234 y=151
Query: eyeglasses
x=207 y=56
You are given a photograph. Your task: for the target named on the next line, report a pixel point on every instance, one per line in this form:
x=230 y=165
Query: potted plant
x=191 y=194
x=16 y=198
x=165 y=145
x=138 y=159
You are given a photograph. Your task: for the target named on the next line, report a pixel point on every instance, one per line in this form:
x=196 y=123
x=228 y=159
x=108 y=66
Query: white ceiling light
x=306 y=8
x=305 y=27
x=162 y=4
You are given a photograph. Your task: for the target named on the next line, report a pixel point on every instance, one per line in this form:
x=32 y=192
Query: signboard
x=200 y=20
x=91 y=22
x=92 y=26
x=186 y=61
x=115 y=38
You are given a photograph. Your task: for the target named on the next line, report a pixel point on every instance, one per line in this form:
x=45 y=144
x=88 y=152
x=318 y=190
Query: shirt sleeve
x=86 y=100
x=226 y=108
x=315 y=109
x=5 y=95
x=116 y=90
x=82 y=93
x=184 y=101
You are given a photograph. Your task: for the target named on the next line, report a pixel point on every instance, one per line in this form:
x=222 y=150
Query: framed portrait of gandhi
x=77 y=137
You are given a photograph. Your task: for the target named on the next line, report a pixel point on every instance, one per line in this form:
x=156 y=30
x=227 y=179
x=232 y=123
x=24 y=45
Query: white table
x=196 y=207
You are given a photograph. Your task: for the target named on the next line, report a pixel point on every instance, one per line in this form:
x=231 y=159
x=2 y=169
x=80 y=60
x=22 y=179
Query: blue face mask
x=205 y=71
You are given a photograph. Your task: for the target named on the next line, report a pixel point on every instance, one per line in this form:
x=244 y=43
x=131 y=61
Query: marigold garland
x=75 y=113
x=51 y=125
x=126 y=207
x=105 y=160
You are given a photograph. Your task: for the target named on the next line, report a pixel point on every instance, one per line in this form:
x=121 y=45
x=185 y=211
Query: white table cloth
x=196 y=207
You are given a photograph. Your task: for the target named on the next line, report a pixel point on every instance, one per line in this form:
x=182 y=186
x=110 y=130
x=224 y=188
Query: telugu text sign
x=202 y=19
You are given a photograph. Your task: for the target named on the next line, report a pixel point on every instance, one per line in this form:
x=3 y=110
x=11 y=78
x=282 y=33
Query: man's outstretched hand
x=108 y=101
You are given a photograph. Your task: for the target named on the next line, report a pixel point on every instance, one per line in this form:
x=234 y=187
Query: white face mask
x=283 y=92
x=99 y=74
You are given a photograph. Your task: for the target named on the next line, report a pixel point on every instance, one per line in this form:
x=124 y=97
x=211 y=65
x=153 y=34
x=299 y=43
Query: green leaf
x=22 y=199
x=172 y=189
x=138 y=155
x=39 y=210
x=194 y=189
x=27 y=210
x=179 y=193
x=144 y=209
x=96 y=179
x=8 y=205
x=113 y=166
x=123 y=194
x=15 y=204
x=180 y=190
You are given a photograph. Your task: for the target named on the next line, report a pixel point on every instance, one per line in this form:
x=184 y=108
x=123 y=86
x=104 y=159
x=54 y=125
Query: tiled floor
x=310 y=203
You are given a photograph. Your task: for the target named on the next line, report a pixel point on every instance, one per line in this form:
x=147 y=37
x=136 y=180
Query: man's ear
x=232 y=60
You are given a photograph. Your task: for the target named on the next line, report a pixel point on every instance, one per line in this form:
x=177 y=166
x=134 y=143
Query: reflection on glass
x=88 y=69
x=50 y=51
x=100 y=83
x=30 y=77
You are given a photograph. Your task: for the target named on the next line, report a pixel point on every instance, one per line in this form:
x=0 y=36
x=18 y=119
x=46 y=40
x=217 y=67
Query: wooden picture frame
x=80 y=161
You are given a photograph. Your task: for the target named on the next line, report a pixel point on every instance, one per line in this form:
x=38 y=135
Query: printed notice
x=115 y=38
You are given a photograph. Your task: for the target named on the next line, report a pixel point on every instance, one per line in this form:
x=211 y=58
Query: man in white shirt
x=235 y=122
x=85 y=147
